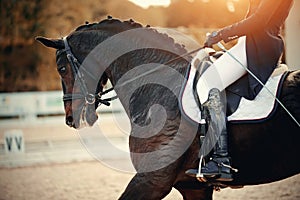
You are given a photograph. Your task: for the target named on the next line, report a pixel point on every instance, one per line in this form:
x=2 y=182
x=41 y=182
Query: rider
x=259 y=48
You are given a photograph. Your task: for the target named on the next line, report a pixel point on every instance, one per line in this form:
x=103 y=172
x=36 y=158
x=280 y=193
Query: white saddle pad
x=259 y=108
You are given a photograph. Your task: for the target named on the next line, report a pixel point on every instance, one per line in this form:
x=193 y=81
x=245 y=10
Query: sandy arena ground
x=45 y=173
x=92 y=180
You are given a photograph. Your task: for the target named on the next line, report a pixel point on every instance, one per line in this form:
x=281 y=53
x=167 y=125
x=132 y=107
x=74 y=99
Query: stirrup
x=200 y=177
x=220 y=175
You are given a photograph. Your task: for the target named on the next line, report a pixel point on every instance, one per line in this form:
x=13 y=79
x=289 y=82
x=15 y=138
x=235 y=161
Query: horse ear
x=53 y=43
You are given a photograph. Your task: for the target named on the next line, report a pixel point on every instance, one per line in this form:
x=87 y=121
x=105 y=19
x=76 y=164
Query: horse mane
x=126 y=25
x=109 y=21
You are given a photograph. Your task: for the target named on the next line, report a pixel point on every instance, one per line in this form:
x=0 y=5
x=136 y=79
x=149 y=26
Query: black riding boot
x=219 y=166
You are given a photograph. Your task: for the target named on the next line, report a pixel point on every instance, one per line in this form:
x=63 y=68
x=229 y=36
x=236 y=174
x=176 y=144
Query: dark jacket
x=264 y=44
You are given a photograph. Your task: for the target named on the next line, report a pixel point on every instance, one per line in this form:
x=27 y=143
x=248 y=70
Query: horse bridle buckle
x=90 y=99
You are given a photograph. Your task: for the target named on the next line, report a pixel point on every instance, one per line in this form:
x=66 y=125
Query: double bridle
x=89 y=98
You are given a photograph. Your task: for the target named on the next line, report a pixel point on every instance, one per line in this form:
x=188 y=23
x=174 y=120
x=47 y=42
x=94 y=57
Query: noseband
x=86 y=95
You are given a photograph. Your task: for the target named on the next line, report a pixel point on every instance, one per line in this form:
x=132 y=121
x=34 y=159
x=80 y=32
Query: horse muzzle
x=81 y=118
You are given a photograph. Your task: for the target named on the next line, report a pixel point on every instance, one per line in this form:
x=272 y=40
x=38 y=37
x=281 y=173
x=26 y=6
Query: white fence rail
x=31 y=104
x=34 y=104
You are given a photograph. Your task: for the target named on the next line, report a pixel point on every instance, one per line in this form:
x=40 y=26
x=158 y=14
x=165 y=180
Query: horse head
x=81 y=97
x=82 y=87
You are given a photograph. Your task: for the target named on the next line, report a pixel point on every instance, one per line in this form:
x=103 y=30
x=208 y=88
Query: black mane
x=109 y=21
x=120 y=26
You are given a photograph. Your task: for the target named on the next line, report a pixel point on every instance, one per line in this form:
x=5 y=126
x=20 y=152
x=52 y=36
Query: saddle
x=239 y=109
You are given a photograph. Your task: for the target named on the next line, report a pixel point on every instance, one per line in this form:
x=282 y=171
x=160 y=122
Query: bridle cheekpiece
x=89 y=98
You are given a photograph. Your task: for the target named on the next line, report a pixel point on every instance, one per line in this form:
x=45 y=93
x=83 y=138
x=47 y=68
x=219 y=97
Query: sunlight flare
x=147 y=3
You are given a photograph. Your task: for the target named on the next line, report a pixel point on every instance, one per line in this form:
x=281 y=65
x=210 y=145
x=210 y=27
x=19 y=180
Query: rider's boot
x=219 y=166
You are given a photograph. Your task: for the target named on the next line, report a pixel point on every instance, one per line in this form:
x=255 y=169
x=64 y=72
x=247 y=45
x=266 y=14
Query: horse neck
x=147 y=58
x=133 y=65
x=138 y=73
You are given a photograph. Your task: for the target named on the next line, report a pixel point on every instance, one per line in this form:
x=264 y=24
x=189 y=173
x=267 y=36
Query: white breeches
x=224 y=71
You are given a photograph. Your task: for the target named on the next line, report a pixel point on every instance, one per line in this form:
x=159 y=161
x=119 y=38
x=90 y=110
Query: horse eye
x=62 y=70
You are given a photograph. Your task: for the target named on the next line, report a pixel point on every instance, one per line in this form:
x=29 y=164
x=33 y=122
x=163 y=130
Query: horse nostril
x=69 y=121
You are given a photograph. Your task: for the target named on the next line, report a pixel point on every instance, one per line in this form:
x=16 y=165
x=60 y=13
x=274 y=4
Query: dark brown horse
x=147 y=72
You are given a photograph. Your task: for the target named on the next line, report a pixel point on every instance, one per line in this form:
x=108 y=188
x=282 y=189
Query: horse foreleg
x=199 y=194
x=146 y=186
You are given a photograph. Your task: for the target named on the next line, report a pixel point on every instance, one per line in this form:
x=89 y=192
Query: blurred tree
x=26 y=65
x=20 y=20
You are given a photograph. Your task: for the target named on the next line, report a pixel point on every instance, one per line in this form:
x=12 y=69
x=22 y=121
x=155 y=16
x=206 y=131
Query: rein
x=89 y=98
x=93 y=98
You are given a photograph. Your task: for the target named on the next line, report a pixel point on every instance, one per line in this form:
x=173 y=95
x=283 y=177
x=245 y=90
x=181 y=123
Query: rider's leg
x=219 y=165
x=223 y=72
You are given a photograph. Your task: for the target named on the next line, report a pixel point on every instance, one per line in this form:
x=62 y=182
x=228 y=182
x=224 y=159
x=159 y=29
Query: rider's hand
x=212 y=39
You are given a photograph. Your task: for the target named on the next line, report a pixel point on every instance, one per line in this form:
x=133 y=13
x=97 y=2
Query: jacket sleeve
x=255 y=22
